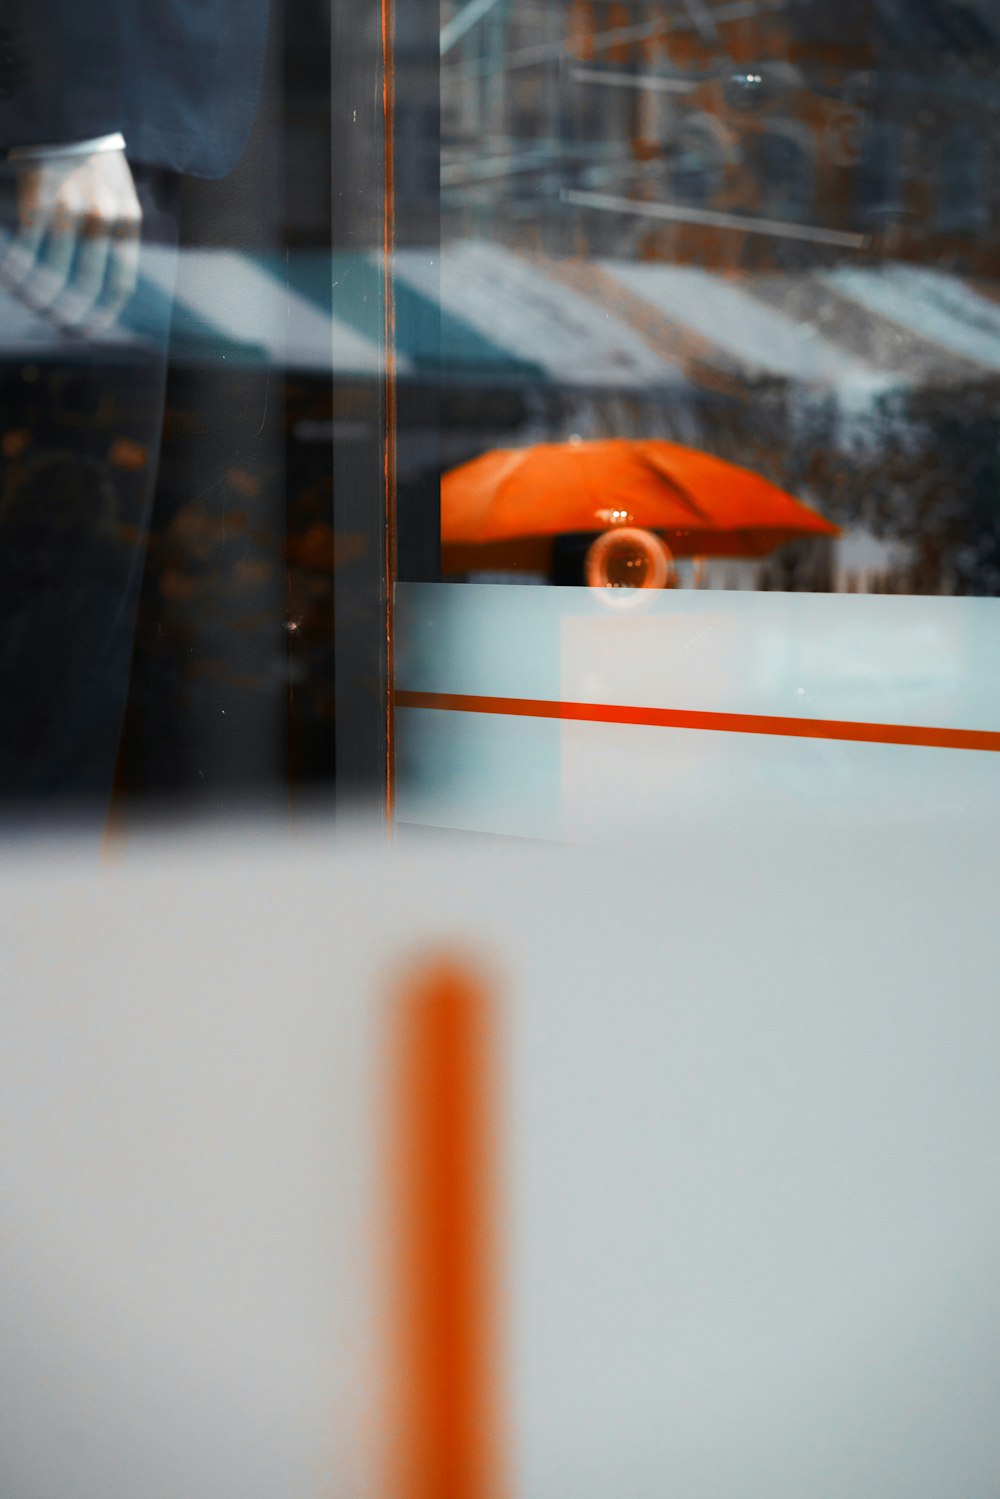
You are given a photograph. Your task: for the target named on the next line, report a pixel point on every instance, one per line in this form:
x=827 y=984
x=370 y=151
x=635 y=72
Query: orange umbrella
x=505 y=508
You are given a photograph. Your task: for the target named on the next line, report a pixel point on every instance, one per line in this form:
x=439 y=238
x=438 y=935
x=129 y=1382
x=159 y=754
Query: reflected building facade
x=789 y=207
x=865 y=117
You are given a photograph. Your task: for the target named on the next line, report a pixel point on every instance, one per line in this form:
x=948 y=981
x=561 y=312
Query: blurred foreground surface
x=748 y=1093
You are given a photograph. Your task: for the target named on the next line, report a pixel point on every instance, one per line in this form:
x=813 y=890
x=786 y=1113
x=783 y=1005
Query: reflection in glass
x=879 y=186
x=762 y=233
x=697 y=162
x=963 y=185
x=783 y=159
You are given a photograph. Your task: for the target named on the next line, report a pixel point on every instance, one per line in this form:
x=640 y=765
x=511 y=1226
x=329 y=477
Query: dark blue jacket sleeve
x=60 y=70
x=179 y=78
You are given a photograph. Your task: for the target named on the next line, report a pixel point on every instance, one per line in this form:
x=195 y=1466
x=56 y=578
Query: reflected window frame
x=776 y=199
x=880 y=177
x=705 y=142
x=962 y=198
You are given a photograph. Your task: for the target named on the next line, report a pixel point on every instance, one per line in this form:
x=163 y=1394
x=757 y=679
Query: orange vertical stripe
x=443 y=1438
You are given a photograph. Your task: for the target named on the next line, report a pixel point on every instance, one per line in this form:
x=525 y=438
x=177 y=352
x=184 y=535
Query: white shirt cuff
x=114 y=142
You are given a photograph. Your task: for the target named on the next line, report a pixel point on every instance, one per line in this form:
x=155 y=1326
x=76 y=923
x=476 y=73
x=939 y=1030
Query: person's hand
x=75 y=256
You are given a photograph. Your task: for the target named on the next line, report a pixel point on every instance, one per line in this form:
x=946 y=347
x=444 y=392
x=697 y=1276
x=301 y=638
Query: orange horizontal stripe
x=724 y=723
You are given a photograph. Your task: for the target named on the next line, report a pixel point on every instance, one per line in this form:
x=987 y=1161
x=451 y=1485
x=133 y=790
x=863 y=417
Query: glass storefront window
x=194 y=496
x=567 y=293
x=719 y=305
x=497 y=424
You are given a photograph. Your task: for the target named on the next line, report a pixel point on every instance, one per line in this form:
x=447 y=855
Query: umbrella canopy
x=505 y=508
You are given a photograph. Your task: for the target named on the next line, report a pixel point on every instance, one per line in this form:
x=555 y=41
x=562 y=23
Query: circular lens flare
x=627 y=557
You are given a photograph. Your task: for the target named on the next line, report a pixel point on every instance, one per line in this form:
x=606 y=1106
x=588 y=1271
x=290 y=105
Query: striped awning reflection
x=476 y=313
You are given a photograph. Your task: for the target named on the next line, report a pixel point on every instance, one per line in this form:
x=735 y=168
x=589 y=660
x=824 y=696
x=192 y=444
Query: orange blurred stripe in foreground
x=443 y=1438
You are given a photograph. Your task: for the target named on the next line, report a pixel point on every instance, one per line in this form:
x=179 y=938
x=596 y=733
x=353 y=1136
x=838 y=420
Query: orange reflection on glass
x=506 y=507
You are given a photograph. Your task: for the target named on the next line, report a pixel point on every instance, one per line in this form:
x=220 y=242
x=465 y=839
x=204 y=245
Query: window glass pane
x=765 y=235
x=720 y=330
x=193 y=491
